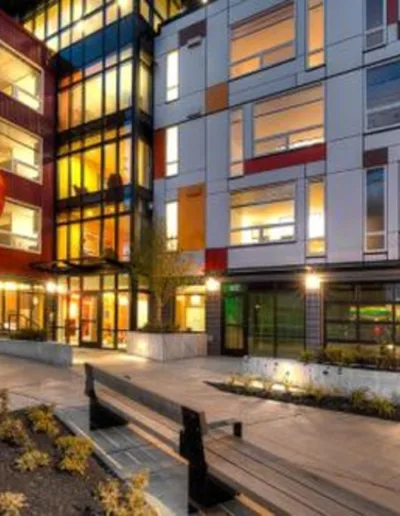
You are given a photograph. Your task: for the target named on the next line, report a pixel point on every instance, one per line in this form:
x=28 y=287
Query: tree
x=165 y=270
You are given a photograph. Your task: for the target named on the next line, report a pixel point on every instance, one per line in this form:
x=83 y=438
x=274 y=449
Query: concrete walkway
x=358 y=453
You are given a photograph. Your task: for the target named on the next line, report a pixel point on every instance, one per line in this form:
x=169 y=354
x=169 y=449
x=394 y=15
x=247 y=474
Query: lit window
x=375 y=237
x=316 y=217
x=171 y=215
x=143 y=160
x=289 y=121
x=144 y=87
x=65 y=12
x=142 y=310
x=125 y=85
x=315 y=33
x=383 y=95
x=20 y=152
x=172 y=75
x=172 y=150
x=236 y=142
x=93 y=98
x=264 y=40
x=375 y=23
x=52 y=19
x=263 y=215
x=190 y=312
x=20 y=227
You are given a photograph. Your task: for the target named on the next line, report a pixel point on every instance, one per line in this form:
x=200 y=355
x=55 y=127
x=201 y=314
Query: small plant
x=383 y=407
x=75 y=453
x=11 y=504
x=267 y=385
x=287 y=382
x=13 y=431
x=4 y=404
x=359 y=399
x=32 y=460
x=306 y=356
x=29 y=334
x=43 y=420
x=233 y=379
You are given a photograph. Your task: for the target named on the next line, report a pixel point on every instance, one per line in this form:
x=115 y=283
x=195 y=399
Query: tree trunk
x=157 y=315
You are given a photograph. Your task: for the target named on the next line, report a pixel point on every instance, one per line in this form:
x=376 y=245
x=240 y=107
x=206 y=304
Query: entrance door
x=90 y=320
x=234 y=327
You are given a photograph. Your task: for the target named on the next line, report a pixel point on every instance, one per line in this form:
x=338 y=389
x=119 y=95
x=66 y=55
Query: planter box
x=383 y=383
x=167 y=346
x=46 y=352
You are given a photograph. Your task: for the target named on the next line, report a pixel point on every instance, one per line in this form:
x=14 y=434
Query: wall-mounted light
x=213 y=285
x=313 y=282
x=51 y=287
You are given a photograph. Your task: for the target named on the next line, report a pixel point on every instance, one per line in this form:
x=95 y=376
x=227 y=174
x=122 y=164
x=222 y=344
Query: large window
x=20 y=152
x=20 y=80
x=264 y=40
x=190 y=311
x=20 y=227
x=289 y=121
x=172 y=150
x=316 y=216
x=171 y=216
x=263 y=215
x=375 y=23
x=315 y=33
x=383 y=95
x=21 y=306
x=172 y=76
x=375 y=236
x=236 y=137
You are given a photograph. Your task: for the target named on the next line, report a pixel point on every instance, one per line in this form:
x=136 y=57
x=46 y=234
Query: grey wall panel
x=345 y=154
x=217 y=49
x=217 y=220
x=265 y=256
x=217 y=146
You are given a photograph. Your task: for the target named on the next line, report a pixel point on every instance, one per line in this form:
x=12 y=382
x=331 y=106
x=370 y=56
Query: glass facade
x=22 y=305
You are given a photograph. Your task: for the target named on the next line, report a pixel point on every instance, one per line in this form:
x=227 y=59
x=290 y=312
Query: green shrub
x=306 y=356
x=383 y=407
x=29 y=334
x=4 y=404
x=43 y=420
x=317 y=393
x=32 y=460
x=267 y=384
x=359 y=399
x=11 y=504
x=75 y=454
x=13 y=431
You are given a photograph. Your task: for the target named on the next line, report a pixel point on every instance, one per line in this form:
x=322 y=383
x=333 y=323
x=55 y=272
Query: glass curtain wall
x=21 y=306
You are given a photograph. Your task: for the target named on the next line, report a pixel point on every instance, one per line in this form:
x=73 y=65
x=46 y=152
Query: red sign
x=2 y=193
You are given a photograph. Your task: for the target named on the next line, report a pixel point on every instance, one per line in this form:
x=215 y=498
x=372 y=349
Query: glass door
x=90 y=320
x=234 y=329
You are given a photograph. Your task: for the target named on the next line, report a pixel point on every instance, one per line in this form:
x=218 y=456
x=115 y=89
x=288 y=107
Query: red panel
x=392 y=11
x=286 y=159
x=159 y=154
x=216 y=259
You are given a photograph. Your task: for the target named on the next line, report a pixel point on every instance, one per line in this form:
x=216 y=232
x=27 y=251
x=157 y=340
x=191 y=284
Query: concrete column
x=314 y=320
x=213 y=322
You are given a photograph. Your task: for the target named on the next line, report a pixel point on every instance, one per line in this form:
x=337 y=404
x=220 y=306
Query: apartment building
x=276 y=155
x=27 y=171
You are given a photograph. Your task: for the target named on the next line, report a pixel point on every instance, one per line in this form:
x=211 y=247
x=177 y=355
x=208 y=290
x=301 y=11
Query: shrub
x=13 y=431
x=4 y=404
x=11 y=504
x=267 y=384
x=359 y=399
x=75 y=453
x=43 y=420
x=382 y=407
x=306 y=356
x=29 y=334
x=287 y=382
x=32 y=460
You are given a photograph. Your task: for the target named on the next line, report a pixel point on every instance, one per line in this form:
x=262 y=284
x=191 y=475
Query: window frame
x=309 y=53
x=383 y=233
x=310 y=180
x=236 y=163
x=39 y=211
x=383 y=27
x=169 y=88
x=173 y=240
x=172 y=163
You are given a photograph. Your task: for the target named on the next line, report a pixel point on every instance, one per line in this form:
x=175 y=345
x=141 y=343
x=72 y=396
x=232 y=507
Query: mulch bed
x=329 y=402
x=50 y=492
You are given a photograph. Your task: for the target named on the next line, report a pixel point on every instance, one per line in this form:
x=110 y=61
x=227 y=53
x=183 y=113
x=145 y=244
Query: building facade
x=277 y=166
x=27 y=171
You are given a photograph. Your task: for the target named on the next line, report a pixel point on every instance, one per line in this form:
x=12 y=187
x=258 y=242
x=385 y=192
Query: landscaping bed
x=360 y=401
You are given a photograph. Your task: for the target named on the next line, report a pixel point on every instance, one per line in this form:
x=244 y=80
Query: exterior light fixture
x=51 y=287
x=213 y=285
x=313 y=282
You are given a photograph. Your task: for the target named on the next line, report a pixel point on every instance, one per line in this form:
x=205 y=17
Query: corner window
x=263 y=215
x=289 y=121
x=171 y=216
x=190 y=311
x=375 y=237
x=264 y=40
x=172 y=76
x=172 y=151
x=236 y=142
x=315 y=33
x=20 y=152
x=316 y=217
x=375 y=23
x=20 y=227
x=383 y=96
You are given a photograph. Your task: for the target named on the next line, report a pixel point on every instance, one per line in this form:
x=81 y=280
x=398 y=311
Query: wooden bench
x=221 y=463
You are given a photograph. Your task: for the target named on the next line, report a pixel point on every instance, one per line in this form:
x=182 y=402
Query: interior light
x=10 y=286
x=195 y=300
x=313 y=282
x=51 y=287
x=213 y=285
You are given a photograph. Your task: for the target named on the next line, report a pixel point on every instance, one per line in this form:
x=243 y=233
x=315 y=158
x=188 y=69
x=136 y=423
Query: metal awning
x=81 y=266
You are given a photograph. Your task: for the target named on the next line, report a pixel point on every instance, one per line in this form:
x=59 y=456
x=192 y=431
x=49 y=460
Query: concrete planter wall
x=347 y=379
x=167 y=346
x=46 y=352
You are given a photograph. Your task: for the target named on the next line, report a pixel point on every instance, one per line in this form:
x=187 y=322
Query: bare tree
x=166 y=270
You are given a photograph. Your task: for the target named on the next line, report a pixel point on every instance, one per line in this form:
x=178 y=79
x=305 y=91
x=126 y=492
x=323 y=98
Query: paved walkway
x=359 y=453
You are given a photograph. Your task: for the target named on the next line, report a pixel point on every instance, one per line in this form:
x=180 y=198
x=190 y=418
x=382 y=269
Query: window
x=143 y=159
x=93 y=98
x=20 y=80
x=290 y=121
x=171 y=215
x=315 y=33
x=20 y=152
x=383 y=95
x=20 y=227
x=316 y=217
x=375 y=23
x=264 y=40
x=375 y=238
x=263 y=215
x=190 y=309
x=236 y=142
x=142 y=310
x=145 y=84
x=172 y=150
x=172 y=75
